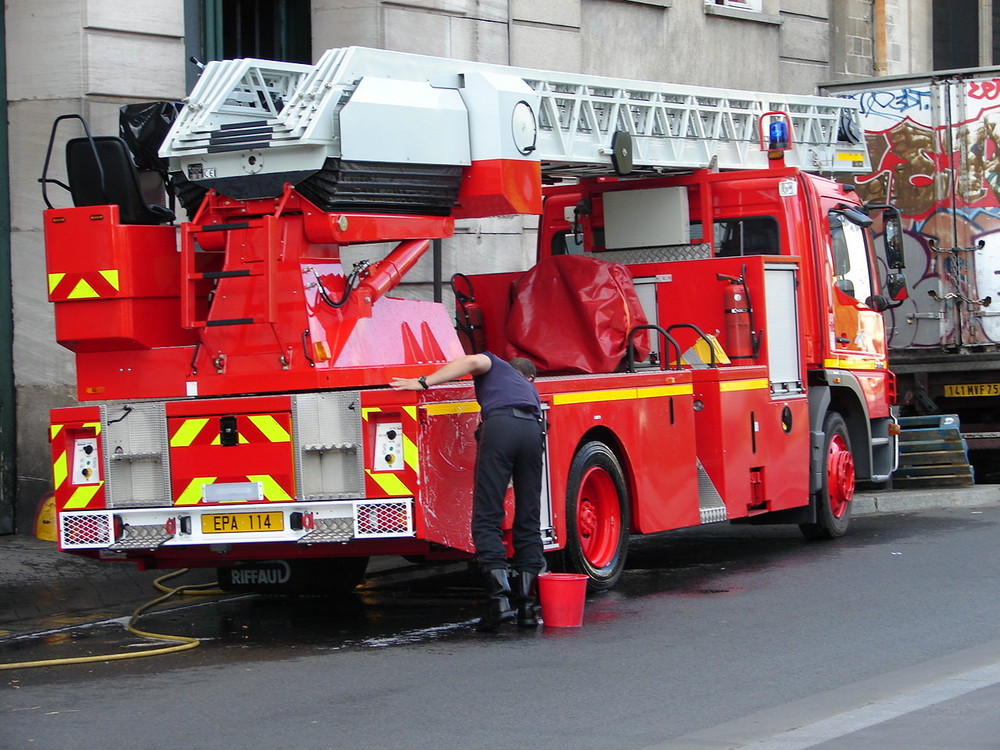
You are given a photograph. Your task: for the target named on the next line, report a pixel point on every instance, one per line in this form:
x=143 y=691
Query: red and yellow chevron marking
x=401 y=483
x=191 y=494
x=82 y=496
x=70 y=497
x=388 y=483
x=272 y=489
x=250 y=428
x=102 y=284
x=263 y=444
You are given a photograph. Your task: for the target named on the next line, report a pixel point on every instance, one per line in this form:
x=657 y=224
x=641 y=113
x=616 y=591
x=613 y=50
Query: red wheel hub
x=598 y=517
x=839 y=475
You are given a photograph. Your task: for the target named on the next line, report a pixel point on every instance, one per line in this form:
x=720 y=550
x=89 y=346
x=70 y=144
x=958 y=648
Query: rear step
x=932 y=453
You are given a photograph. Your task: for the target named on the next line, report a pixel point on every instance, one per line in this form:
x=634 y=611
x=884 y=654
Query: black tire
x=833 y=501
x=597 y=517
x=343 y=574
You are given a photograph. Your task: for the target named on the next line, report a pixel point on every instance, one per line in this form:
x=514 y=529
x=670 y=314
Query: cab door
x=858 y=335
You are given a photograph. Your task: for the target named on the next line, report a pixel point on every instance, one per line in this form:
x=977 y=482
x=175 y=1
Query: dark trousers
x=508 y=446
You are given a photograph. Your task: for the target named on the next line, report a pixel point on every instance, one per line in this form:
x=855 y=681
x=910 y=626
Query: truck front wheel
x=597 y=508
x=833 y=501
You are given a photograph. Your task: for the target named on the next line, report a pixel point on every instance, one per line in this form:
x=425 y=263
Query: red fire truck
x=704 y=312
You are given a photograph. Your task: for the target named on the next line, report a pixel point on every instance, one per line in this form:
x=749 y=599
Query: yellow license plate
x=972 y=389
x=239 y=523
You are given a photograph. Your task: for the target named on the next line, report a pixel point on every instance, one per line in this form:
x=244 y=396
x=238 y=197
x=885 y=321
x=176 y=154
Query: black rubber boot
x=498 y=608
x=528 y=608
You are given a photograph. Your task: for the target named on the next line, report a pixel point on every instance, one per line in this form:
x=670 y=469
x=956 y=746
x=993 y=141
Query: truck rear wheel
x=833 y=501
x=597 y=508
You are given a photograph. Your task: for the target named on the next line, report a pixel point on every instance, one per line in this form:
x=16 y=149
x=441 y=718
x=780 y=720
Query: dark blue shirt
x=502 y=387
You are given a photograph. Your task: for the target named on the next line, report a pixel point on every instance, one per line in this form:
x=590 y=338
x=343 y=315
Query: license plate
x=238 y=523
x=972 y=389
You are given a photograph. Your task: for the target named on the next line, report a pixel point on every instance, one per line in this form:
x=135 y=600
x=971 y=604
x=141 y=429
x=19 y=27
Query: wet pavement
x=42 y=587
x=679 y=655
x=38 y=583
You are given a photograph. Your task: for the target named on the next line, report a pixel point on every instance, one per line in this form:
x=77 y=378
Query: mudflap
x=320 y=576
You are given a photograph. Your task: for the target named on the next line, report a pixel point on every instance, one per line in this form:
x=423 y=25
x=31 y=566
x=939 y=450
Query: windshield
x=852 y=276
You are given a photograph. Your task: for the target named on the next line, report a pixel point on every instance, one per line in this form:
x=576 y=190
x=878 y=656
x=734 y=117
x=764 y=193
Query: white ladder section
x=356 y=103
x=683 y=127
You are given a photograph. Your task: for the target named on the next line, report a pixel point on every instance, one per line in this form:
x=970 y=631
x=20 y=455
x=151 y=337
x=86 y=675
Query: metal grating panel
x=84 y=530
x=141 y=537
x=383 y=518
x=663 y=254
x=136 y=455
x=330 y=530
x=329 y=460
x=710 y=503
x=713 y=515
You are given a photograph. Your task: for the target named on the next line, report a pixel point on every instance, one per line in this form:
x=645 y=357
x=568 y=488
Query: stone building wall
x=86 y=57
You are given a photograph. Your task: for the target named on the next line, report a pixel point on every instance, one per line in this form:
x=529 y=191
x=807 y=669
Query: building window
x=657 y=3
x=956 y=34
x=266 y=29
x=754 y=5
x=742 y=10
x=995 y=16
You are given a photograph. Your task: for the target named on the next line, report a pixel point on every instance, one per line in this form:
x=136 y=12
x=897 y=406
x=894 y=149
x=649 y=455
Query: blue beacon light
x=778 y=135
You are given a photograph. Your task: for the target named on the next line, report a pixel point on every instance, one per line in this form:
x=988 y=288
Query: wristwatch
x=423 y=381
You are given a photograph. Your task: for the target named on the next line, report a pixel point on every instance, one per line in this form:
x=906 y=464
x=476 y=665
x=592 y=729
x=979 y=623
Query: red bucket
x=562 y=596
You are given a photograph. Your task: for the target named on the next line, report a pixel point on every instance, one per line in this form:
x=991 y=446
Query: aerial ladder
x=252 y=125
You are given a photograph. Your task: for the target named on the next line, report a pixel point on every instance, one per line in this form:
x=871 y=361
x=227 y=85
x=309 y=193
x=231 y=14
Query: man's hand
x=469 y=364
x=406 y=384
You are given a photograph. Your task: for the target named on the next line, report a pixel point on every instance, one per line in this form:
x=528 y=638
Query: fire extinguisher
x=742 y=341
x=468 y=317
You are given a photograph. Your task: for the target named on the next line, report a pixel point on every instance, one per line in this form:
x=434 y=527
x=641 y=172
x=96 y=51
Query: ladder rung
x=230 y=322
x=225 y=274
x=224 y=227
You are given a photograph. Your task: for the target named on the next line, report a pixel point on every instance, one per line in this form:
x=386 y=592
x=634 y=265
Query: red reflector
x=170 y=526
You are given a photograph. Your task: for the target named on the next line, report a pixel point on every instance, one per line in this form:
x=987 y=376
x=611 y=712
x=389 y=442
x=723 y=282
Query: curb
x=871 y=502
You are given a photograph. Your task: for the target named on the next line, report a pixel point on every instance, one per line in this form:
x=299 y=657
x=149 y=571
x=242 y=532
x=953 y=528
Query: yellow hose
x=183 y=642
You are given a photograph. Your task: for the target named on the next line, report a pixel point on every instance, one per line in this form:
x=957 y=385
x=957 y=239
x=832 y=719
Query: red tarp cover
x=572 y=313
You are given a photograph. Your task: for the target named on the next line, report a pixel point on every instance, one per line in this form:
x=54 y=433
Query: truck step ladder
x=932 y=453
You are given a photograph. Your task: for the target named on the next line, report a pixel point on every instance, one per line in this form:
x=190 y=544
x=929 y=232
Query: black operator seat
x=112 y=179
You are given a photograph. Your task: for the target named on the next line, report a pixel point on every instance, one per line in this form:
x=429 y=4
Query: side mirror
x=895 y=285
x=892 y=237
x=854 y=215
x=896 y=288
x=878 y=303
